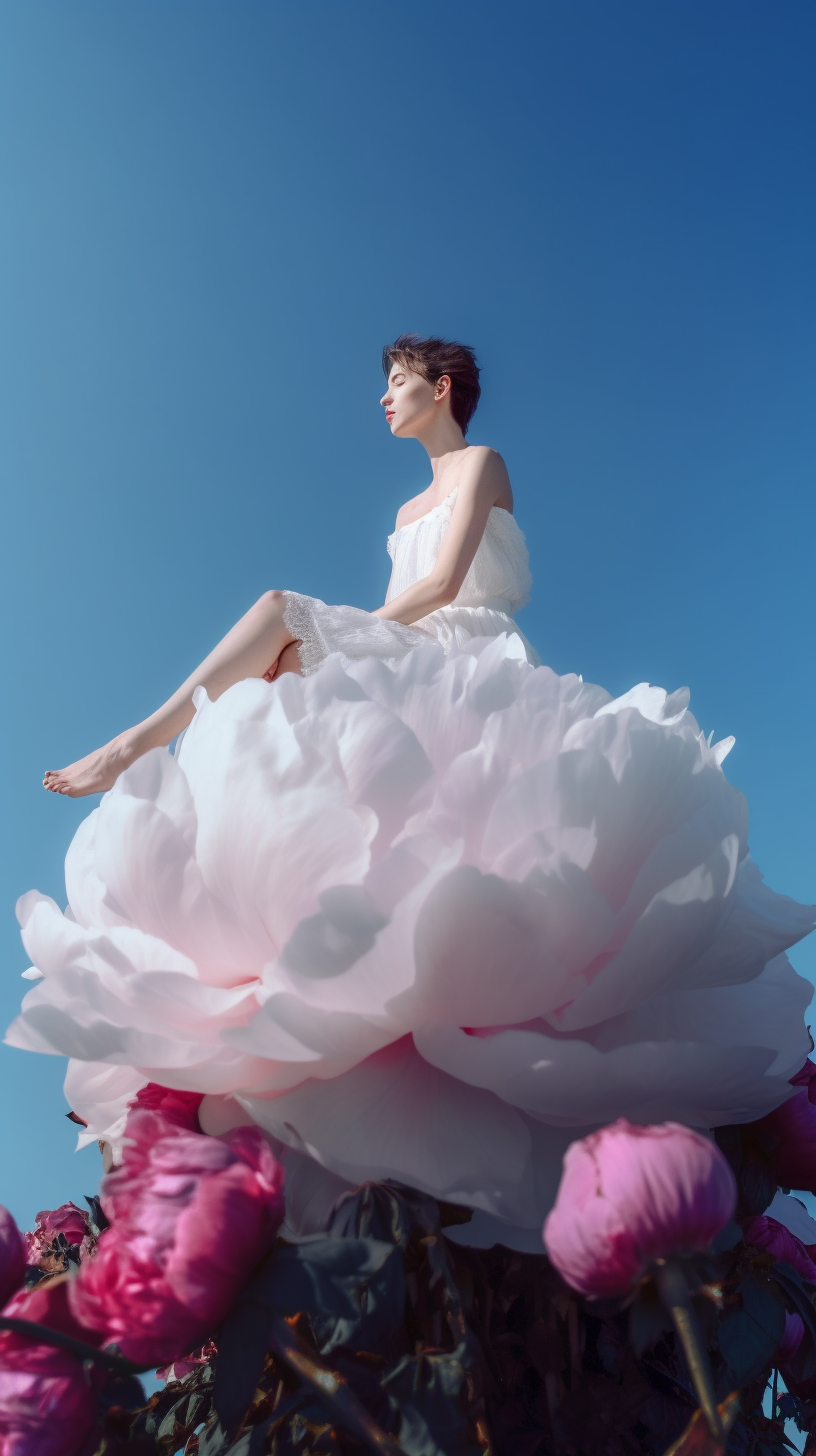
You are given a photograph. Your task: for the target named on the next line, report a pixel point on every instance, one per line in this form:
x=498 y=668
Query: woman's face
x=411 y=402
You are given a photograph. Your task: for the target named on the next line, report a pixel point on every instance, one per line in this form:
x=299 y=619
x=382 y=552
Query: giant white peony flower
x=427 y=921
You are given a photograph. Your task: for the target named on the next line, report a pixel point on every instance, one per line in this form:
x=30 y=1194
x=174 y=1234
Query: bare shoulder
x=484 y=469
x=411 y=509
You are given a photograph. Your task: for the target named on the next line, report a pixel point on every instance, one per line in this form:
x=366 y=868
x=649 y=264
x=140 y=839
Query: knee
x=271 y=603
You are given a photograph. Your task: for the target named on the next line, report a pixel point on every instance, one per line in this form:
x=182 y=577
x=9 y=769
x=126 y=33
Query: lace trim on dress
x=299 y=619
x=321 y=630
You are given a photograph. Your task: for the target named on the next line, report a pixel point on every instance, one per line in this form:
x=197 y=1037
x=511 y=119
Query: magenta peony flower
x=12 y=1256
x=629 y=1195
x=47 y=1398
x=190 y=1216
x=792 y=1338
x=791 y=1132
x=771 y=1237
x=72 y=1222
x=180 y=1108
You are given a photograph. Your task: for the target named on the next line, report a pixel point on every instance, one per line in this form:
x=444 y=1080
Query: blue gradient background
x=215 y=215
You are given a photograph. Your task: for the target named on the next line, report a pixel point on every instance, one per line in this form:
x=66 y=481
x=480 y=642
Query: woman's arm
x=482 y=484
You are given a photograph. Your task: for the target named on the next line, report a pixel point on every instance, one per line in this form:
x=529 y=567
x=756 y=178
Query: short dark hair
x=434 y=357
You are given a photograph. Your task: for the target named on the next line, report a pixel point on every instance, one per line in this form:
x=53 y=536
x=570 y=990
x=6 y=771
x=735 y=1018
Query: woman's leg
x=250 y=649
x=289 y=661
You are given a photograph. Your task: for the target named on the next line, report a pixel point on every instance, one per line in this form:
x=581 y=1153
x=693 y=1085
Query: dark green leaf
x=727 y=1238
x=428 y=1390
x=172 y=1410
x=242 y=1345
x=216 y=1442
x=748 y=1155
x=97 y=1216
x=797 y=1293
x=375 y=1211
x=325 y=1276
x=386 y=1211
x=648 y=1318
x=127 y=1392
x=378 y=1322
x=749 y=1337
x=253 y=1442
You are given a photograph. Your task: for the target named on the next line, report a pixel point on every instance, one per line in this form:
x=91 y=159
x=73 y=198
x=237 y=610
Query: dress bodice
x=499 y=575
x=496 y=585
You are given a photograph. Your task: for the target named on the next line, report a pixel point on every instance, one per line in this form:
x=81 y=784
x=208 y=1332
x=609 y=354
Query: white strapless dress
x=497 y=585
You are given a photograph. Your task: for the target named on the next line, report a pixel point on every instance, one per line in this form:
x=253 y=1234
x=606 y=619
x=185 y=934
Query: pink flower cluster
x=190 y=1216
x=42 y=1245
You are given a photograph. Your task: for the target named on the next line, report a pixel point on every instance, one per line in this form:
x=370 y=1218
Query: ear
x=442 y=388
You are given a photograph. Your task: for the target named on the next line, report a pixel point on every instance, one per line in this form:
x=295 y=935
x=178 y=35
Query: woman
x=460 y=566
x=427 y=913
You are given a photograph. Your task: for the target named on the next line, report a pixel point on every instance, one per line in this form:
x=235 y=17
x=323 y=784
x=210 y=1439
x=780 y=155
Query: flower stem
x=673 y=1291
x=42 y=1335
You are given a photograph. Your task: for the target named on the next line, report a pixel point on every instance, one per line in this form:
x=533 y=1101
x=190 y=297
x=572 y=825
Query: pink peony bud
x=190 y=1216
x=47 y=1399
x=72 y=1222
x=12 y=1256
x=629 y=1195
x=791 y=1133
x=771 y=1237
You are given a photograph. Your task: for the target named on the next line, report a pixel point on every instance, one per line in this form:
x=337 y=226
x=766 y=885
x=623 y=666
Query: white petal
x=396 y=1117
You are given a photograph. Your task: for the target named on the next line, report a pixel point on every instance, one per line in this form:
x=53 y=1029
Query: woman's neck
x=443 y=441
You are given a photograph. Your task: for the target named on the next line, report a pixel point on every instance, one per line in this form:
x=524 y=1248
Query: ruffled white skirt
x=322 y=629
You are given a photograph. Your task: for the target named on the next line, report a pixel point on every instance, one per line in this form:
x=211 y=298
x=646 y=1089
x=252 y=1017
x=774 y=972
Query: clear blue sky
x=215 y=215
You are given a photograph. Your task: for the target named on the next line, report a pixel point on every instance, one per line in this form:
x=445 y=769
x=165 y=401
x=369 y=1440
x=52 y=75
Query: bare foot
x=95 y=773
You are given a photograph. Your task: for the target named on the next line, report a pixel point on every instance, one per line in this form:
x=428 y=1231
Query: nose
x=386 y=399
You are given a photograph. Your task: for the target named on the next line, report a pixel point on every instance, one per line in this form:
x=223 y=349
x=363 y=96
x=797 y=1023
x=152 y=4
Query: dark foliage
x=383 y=1336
